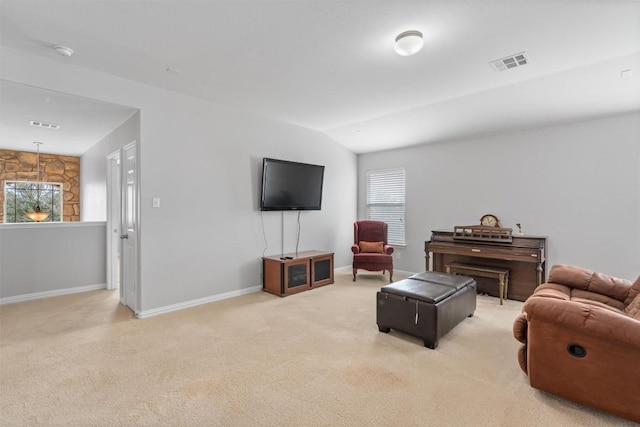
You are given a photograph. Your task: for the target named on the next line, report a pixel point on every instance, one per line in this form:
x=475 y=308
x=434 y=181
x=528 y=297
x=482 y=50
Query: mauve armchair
x=370 y=249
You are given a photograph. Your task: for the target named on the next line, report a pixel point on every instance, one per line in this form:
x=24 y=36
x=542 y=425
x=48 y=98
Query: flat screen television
x=291 y=186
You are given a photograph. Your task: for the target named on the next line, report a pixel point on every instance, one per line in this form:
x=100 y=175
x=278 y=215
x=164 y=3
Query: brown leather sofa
x=580 y=335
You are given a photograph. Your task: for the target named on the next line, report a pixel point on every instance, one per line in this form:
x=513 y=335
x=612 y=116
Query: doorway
x=113 y=221
x=122 y=224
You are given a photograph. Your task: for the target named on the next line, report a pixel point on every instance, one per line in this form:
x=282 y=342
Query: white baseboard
x=180 y=306
x=187 y=304
x=54 y=293
x=349 y=268
x=154 y=311
x=403 y=272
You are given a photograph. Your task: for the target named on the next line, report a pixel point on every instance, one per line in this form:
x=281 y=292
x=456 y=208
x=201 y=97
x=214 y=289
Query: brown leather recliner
x=580 y=335
x=370 y=248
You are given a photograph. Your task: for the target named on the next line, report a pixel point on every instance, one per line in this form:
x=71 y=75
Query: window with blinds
x=385 y=201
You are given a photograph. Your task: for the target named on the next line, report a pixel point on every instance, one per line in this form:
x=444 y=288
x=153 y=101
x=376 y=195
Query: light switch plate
x=156 y=202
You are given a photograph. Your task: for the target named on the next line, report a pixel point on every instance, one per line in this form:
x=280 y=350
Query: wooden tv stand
x=289 y=274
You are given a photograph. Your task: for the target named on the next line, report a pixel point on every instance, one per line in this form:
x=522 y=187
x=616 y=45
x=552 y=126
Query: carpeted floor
x=311 y=359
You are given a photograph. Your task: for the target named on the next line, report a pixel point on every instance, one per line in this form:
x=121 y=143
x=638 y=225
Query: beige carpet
x=311 y=359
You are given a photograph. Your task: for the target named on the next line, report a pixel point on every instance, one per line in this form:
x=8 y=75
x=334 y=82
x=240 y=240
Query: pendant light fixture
x=37 y=215
x=409 y=43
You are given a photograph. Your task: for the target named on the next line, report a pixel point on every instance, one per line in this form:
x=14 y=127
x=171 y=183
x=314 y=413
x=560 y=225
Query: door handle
x=124 y=236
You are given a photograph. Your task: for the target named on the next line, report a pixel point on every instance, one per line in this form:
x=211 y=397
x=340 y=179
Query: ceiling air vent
x=512 y=61
x=44 y=125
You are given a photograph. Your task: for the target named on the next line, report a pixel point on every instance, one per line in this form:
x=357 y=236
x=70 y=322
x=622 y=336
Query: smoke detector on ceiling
x=511 y=61
x=64 y=51
x=626 y=74
x=44 y=125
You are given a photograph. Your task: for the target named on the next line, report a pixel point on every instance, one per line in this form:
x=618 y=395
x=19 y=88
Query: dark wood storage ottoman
x=426 y=305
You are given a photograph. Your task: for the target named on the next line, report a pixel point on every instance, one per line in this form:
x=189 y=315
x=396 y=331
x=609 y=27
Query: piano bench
x=502 y=274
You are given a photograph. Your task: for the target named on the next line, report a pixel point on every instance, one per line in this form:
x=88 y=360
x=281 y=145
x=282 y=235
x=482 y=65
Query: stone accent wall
x=21 y=166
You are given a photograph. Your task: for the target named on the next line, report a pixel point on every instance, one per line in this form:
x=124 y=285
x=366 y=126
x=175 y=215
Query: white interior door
x=113 y=222
x=129 y=226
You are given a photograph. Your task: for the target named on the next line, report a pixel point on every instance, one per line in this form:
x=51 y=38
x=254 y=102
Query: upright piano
x=524 y=256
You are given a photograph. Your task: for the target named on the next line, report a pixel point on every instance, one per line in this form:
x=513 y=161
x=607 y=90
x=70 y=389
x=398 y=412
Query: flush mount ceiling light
x=409 y=43
x=64 y=51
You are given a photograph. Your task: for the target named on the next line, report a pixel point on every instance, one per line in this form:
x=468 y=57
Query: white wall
x=578 y=184
x=208 y=182
x=51 y=258
x=203 y=161
x=93 y=169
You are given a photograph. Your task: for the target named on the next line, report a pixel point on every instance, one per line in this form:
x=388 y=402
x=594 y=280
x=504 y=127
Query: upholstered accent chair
x=370 y=249
x=580 y=335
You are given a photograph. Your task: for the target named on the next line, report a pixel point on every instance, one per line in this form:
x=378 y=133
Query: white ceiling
x=330 y=65
x=83 y=122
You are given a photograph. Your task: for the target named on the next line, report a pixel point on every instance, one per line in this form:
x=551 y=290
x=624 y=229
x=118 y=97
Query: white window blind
x=385 y=201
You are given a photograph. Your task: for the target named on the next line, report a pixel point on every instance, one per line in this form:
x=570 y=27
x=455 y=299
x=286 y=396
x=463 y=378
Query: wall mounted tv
x=291 y=186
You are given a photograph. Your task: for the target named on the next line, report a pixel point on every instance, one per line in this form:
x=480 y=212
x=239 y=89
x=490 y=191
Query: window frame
x=6 y=193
